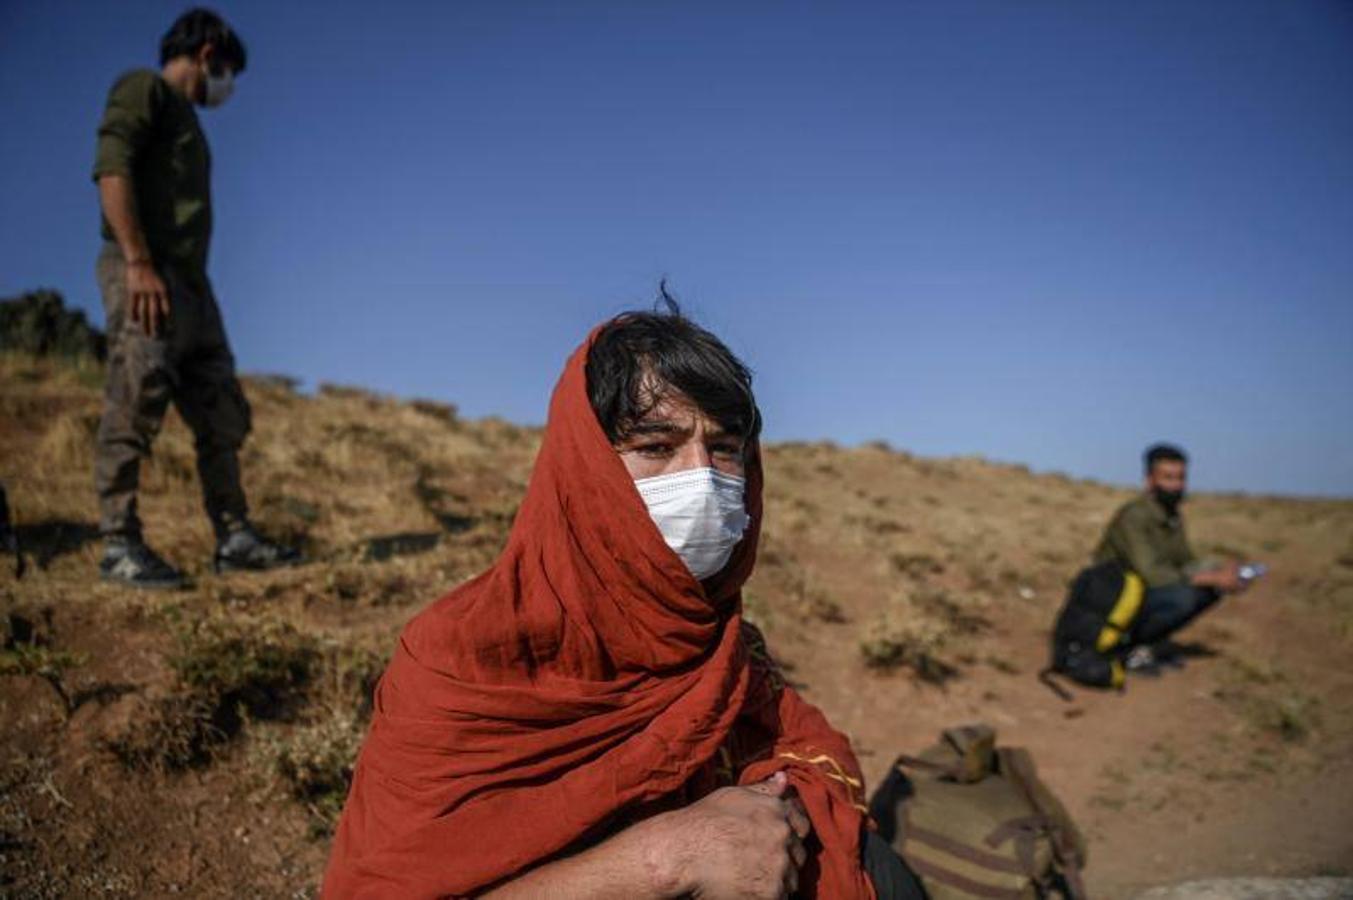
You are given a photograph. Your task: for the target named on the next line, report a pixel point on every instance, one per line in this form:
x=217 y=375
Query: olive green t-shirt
x=150 y=134
x=1144 y=538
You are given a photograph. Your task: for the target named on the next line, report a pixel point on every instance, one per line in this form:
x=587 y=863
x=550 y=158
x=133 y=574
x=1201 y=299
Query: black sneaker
x=245 y=550
x=132 y=563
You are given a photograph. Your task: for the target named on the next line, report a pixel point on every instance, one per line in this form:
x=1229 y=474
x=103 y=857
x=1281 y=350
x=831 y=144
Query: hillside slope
x=196 y=741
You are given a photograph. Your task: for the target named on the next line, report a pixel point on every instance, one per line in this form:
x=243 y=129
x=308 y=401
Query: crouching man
x=591 y=717
x=1146 y=537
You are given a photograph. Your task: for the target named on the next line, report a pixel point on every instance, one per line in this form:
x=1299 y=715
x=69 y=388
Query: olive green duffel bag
x=973 y=820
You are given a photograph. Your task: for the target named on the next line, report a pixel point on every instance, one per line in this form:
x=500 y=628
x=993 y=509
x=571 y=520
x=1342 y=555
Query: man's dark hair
x=195 y=29
x=637 y=356
x=1162 y=453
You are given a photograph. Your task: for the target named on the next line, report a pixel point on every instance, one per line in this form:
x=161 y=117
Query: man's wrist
x=662 y=856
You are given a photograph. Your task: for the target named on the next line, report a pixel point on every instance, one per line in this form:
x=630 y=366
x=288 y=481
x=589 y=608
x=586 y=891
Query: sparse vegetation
x=315 y=763
x=916 y=630
x=229 y=715
x=227 y=670
x=27 y=651
x=261 y=665
x=1268 y=702
x=171 y=732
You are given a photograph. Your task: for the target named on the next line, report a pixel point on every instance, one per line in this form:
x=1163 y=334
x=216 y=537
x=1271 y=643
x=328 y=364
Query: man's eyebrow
x=658 y=427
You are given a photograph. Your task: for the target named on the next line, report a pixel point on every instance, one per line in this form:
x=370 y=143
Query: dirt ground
x=196 y=742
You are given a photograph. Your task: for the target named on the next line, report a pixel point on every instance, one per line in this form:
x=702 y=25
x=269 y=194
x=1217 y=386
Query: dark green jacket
x=1144 y=538
x=150 y=134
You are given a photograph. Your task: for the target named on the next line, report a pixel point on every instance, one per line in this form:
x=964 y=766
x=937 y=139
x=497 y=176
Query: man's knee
x=137 y=395
x=1171 y=600
x=1168 y=608
x=218 y=414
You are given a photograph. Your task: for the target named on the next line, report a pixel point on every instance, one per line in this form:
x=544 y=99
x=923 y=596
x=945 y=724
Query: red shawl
x=585 y=676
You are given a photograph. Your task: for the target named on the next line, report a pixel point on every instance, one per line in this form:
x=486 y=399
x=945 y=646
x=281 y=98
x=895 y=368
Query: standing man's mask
x=219 y=88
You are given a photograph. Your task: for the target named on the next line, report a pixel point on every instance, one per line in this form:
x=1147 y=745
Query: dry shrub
x=1268 y=702
x=262 y=665
x=917 y=631
x=174 y=731
x=446 y=413
x=288 y=519
x=350 y=675
x=368 y=398
x=372 y=585
x=349 y=447
x=27 y=651
x=807 y=599
x=227 y=670
x=315 y=762
x=896 y=640
x=915 y=564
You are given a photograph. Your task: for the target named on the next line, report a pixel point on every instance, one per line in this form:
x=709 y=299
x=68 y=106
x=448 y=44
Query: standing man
x=166 y=339
x=1146 y=536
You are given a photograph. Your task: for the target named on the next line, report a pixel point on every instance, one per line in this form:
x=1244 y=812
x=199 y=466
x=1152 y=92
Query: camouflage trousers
x=190 y=364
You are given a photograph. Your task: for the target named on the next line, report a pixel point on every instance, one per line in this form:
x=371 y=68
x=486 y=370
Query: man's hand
x=738 y=842
x=1225 y=578
x=148 y=297
x=735 y=844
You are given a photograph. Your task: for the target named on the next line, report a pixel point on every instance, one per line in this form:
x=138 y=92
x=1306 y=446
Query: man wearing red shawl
x=592 y=717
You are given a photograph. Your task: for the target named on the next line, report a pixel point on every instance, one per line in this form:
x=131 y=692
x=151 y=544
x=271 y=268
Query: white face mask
x=219 y=88
x=700 y=514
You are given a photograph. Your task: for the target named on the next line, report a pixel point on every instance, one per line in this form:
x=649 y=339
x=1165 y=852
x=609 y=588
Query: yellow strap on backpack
x=1129 y=603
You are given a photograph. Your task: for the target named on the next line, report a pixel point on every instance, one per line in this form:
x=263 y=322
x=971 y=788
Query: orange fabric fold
x=585 y=676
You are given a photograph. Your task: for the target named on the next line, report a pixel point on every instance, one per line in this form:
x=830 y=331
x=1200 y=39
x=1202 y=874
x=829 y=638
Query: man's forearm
x=119 y=208
x=627 y=866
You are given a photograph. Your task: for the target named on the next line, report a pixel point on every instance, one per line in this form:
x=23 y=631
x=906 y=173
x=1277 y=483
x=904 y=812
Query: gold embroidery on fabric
x=833 y=770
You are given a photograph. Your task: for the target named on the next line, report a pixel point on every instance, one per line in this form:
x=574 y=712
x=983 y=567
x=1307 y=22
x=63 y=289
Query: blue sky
x=1048 y=233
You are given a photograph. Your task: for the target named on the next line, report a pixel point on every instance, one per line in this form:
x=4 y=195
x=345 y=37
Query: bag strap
x=1017 y=766
x=964 y=852
x=925 y=765
x=1023 y=831
x=1046 y=676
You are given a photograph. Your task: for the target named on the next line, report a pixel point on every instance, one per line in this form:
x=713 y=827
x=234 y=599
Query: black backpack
x=1092 y=628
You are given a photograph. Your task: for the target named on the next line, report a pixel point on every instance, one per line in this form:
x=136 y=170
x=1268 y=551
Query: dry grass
x=314 y=763
x=1268 y=702
x=917 y=630
x=874 y=562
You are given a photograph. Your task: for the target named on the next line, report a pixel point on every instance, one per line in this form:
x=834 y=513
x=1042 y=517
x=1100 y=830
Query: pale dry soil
x=945 y=574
